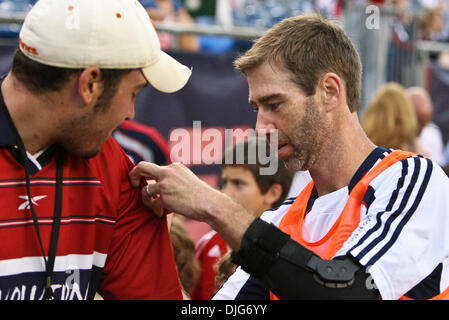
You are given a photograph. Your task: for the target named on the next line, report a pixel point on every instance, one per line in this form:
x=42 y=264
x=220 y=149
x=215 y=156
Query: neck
x=345 y=153
x=33 y=115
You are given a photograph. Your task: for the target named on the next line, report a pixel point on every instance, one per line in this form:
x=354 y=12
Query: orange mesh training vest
x=349 y=219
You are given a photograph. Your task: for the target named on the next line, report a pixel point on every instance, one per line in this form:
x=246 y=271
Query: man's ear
x=331 y=87
x=90 y=85
x=273 y=194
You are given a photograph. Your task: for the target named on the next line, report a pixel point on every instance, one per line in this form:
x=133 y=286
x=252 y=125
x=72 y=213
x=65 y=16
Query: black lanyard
x=50 y=261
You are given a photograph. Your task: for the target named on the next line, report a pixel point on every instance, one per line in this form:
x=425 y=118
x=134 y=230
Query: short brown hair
x=39 y=78
x=309 y=46
x=224 y=268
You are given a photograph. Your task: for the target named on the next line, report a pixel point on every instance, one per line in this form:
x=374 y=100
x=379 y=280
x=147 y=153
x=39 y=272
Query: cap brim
x=167 y=74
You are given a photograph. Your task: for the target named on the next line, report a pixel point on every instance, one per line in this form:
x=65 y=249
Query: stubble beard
x=76 y=145
x=307 y=142
x=78 y=133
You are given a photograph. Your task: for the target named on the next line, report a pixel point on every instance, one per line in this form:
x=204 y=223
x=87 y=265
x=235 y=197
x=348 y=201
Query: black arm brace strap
x=291 y=271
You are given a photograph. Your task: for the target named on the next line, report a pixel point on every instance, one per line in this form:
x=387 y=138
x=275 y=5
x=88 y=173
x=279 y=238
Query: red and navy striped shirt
x=108 y=242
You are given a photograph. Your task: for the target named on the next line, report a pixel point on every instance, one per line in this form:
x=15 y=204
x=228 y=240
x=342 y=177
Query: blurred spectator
x=224 y=269
x=259 y=13
x=327 y=8
x=250 y=13
x=154 y=11
x=443 y=60
x=269 y=12
x=390 y=120
x=400 y=51
x=209 y=250
x=11 y=30
x=200 y=8
x=432 y=25
x=213 y=12
x=16 y=5
x=430 y=3
x=168 y=12
x=438 y=87
x=429 y=134
x=256 y=192
x=218 y=11
x=433 y=28
x=446 y=154
x=184 y=251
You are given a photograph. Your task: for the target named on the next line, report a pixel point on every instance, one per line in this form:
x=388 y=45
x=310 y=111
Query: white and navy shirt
x=402 y=237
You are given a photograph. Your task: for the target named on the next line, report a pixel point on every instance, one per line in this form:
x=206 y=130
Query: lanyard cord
x=50 y=262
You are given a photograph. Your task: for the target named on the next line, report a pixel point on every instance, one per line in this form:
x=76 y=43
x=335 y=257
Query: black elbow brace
x=263 y=245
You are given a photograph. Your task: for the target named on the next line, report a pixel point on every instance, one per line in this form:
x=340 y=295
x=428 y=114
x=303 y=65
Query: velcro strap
x=260 y=248
x=295 y=253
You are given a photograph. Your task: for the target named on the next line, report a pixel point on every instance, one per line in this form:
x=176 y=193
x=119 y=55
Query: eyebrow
x=266 y=98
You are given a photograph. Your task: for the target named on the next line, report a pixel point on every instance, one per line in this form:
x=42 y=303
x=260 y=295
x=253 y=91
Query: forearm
x=292 y=272
x=228 y=218
x=287 y=281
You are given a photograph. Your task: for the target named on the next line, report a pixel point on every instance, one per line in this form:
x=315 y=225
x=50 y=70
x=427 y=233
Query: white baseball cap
x=110 y=34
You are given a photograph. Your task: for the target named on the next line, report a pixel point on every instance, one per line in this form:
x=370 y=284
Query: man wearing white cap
x=71 y=224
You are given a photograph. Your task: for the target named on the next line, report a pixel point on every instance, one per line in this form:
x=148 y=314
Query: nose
x=131 y=112
x=263 y=124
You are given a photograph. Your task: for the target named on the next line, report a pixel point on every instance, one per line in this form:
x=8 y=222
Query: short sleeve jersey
x=402 y=238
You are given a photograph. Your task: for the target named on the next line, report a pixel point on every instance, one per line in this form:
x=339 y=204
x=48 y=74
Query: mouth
x=284 y=151
x=282 y=145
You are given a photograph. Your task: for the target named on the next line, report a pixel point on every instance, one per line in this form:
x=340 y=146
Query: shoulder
x=112 y=157
x=406 y=225
x=415 y=176
x=410 y=201
x=109 y=147
x=112 y=166
x=414 y=187
x=275 y=215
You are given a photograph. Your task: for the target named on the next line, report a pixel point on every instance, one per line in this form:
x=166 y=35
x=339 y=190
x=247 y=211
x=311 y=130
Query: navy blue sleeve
x=253 y=289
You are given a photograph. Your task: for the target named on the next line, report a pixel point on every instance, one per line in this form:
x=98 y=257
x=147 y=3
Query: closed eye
x=273 y=106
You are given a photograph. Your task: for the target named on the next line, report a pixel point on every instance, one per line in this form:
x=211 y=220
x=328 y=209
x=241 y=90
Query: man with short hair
x=373 y=222
x=71 y=224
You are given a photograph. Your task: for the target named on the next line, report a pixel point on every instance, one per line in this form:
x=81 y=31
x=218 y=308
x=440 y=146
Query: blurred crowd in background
x=433 y=16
